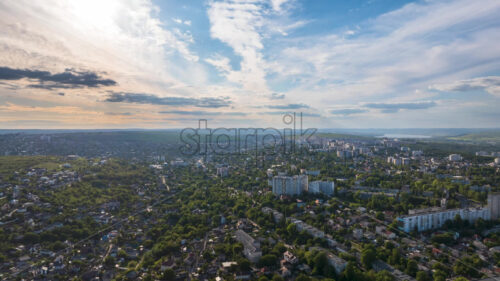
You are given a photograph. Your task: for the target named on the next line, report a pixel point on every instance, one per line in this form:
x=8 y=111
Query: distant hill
x=489 y=136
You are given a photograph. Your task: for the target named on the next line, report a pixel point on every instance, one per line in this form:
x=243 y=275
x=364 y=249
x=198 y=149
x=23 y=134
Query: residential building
x=325 y=187
x=338 y=263
x=405 y=161
x=251 y=247
x=223 y=172
x=455 y=157
x=417 y=153
x=284 y=185
x=494 y=205
x=422 y=221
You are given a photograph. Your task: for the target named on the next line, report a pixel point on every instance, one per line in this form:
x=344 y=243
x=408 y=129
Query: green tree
x=368 y=256
x=168 y=275
x=276 y=277
x=302 y=277
x=320 y=264
x=439 y=275
x=384 y=275
x=268 y=260
x=237 y=249
x=423 y=276
x=411 y=267
x=109 y=261
x=244 y=264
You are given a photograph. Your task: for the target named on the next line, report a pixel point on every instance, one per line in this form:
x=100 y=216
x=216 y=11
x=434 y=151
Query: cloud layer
x=138 y=63
x=67 y=79
x=490 y=84
x=142 y=98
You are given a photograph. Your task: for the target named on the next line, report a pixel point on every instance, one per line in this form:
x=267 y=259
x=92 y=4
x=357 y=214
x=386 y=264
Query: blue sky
x=165 y=64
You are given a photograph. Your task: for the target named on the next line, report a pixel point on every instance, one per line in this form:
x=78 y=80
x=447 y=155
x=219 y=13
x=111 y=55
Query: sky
x=93 y=64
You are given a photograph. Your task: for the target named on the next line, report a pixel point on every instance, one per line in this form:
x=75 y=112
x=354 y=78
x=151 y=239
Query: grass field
x=11 y=164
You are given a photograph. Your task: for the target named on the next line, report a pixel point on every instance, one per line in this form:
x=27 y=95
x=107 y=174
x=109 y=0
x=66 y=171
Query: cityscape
x=215 y=140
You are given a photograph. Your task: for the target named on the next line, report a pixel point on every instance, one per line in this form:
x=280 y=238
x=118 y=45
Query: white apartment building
x=435 y=218
x=283 y=185
x=417 y=153
x=223 y=171
x=325 y=187
x=398 y=161
x=251 y=247
x=455 y=157
x=494 y=205
x=338 y=263
x=405 y=161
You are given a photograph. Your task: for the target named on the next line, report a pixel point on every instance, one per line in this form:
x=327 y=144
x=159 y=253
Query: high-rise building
x=494 y=205
x=417 y=153
x=405 y=161
x=435 y=217
x=455 y=157
x=283 y=185
x=325 y=187
x=223 y=171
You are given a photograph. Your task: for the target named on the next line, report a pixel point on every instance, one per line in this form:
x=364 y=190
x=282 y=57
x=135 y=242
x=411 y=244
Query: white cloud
x=490 y=84
x=126 y=39
x=394 y=54
x=277 y=4
x=179 y=21
x=238 y=24
x=221 y=63
x=389 y=59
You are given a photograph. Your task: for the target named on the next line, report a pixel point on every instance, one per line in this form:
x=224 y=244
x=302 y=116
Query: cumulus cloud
x=384 y=58
x=490 y=84
x=221 y=63
x=238 y=24
x=142 y=98
x=126 y=39
x=67 y=79
x=397 y=52
x=277 y=4
x=179 y=21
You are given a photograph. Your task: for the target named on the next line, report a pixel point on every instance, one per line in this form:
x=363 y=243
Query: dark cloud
x=276 y=96
x=172 y=101
x=68 y=79
x=289 y=106
x=395 y=107
x=347 y=111
x=202 y=112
